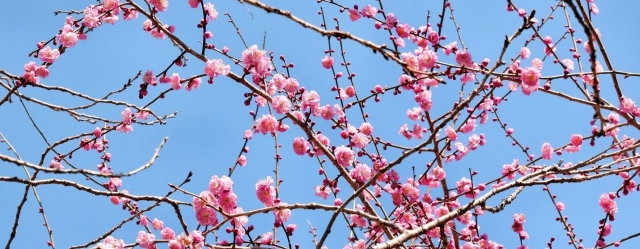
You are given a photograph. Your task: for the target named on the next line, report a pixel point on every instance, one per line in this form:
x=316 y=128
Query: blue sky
x=205 y=137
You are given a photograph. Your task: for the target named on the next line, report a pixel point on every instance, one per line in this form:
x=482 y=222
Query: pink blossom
x=111 y=243
x=465 y=187
x=282 y=215
x=167 y=233
x=211 y=11
x=391 y=21
x=627 y=105
x=218 y=185
x=547 y=151
x=242 y=160
x=527 y=90
x=160 y=5
x=256 y=61
x=266 y=239
x=417 y=131
x=525 y=52
x=451 y=47
x=404 y=131
x=216 y=67
x=360 y=140
x=613 y=118
x=344 y=156
x=265 y=191
x=157 y=224
x=49 y=55
x=403 y=30
x=568 y=63
x=451 y=133
x=290 y=229
x=149 y=78
x=130 y=14
x=522 y=12
x=197 y=240
x=146 y=240
x=91 y=17
x=300 y=146
x=414 y=114
x=463 y=57
x=228 y=201
x=537 y=63
x=530 y=76
x=324 y=140
x=322 y=191
x=594 y=9
x=468 y=126
x=369 y=11
x=267 y=124
x=576 y=139
x=193 y=84
x=366 y=128
x=467 y=78
x=608 y=204
x=291 y=86
x=175 y=81
x=560 y=206
x=474 y=141
x=509 y=170
x=42 y=71
x=310 y=100
x=281 y=104
x=67 y=37
x=354 y=15
x=361 y=172
x=423 y=98
x=327 y=62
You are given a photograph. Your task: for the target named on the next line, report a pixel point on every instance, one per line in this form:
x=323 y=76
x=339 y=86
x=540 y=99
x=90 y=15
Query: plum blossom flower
x=322 y=191
x=463 y=57
x=300 y=146
x=49 y=55
x=146 y=240
x=354 y=15
x=67 y=37
x=327 y=62
x=608 y=204
x=344 y=156
x=281 y=104
x=111 y=243
x=157 y=224
x=160 y=5
x=212 y=13
x=267 y=124
x=530 y=76
x=547 y=151
x=193 y=84
x=265 y=191
x=218 y=185
x=360 y=140
x=369 y=11
x=423 y=98
x=525 y=52
x=468 y=126
x=256 y=61
x=175 y=81
x=391 y=21
x=361 y=172
x=216 y=67
x=126 y=126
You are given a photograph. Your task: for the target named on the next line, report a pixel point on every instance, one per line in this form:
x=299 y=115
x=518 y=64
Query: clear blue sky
x=206 y=135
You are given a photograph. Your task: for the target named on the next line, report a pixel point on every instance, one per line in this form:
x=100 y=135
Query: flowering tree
x=413 y=151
